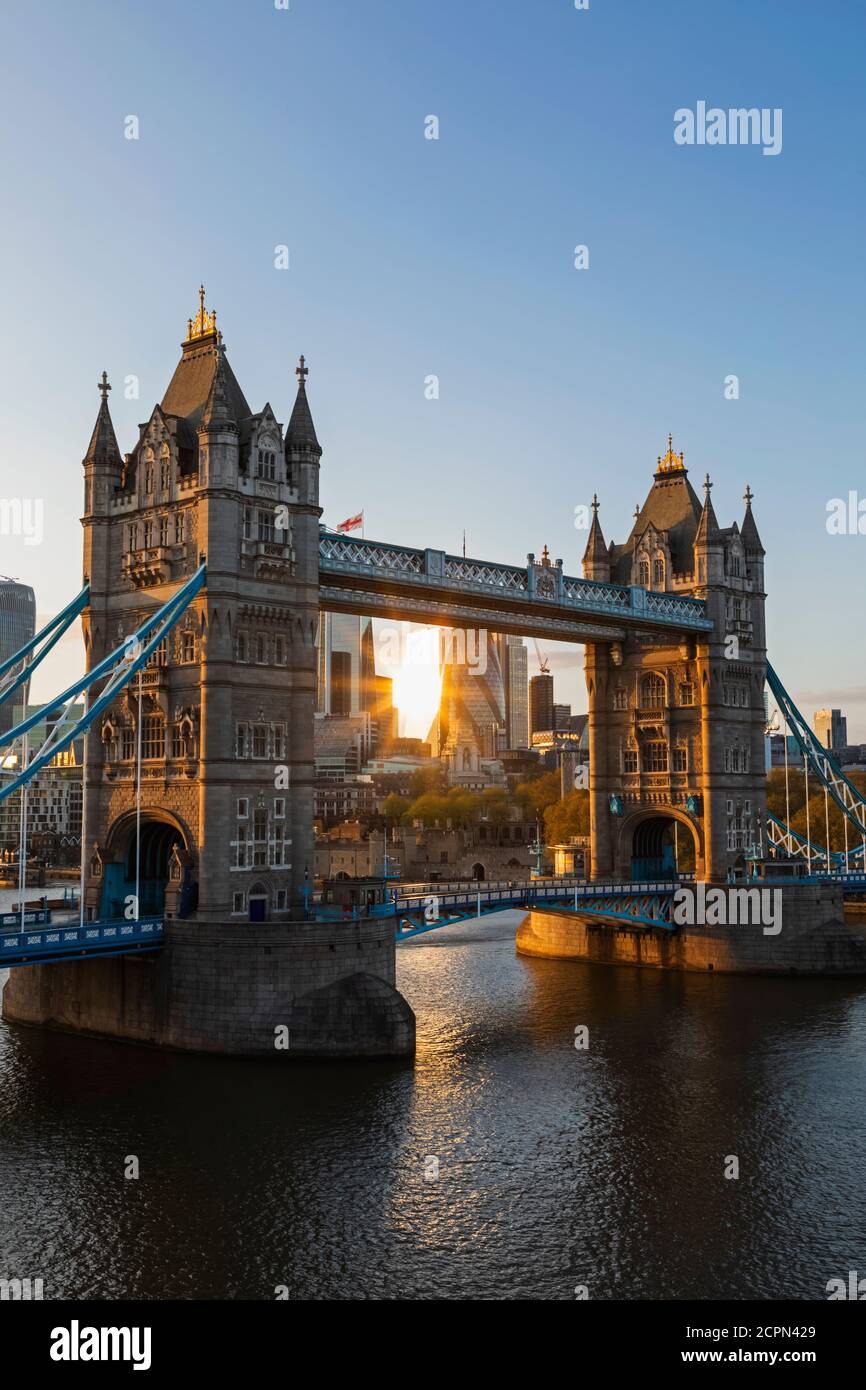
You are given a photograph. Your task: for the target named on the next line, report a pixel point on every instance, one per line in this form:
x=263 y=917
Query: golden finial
x=204 y=323
x=545 y=557
x=671 y=463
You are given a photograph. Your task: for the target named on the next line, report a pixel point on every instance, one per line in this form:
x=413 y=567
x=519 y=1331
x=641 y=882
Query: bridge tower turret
x=102 y=469
x=227 y=702
x=676 y=726
x=596 y=561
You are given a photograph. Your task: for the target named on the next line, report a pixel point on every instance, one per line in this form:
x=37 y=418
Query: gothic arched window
x=659 y=569
x=652 y=693
x=643 y=573
x=153 y=736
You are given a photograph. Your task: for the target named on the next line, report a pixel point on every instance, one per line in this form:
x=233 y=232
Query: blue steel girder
x=119 y=668
x=405 y=577
x=646 y=905
x=11 y=677
x=850 y=801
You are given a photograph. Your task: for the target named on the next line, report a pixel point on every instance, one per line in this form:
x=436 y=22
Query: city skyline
x=434 y=476
x=543 y=370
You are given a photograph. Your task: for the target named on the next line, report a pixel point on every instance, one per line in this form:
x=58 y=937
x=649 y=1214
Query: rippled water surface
x=557 y=1167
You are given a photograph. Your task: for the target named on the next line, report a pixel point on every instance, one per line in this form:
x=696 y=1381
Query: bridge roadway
x=430 y=586
x=648 y=904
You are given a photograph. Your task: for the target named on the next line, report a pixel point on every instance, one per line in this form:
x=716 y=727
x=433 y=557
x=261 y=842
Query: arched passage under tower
x=154 y=856
x=659 y=843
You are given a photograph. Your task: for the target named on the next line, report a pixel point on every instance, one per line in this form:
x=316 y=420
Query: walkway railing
x=53 y=943
x=443 y=575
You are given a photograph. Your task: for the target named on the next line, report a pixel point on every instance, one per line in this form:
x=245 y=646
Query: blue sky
x=411 y=257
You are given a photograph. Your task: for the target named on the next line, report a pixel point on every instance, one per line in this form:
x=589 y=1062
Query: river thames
x=558 y=1168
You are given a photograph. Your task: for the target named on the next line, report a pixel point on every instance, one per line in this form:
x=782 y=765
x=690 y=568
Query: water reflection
x=556 y=1166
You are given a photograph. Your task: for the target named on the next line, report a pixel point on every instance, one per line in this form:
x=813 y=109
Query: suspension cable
x=138 y=805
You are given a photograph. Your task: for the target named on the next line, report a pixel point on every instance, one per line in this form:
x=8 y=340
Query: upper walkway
x=424 y=586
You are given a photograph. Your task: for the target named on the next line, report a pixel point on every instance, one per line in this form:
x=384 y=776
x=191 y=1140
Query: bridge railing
x=533 y=892
x=11 y=921
x=428 y=568
x=93 y=938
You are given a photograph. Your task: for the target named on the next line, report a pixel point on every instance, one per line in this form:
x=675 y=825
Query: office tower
x=17 y=626
x=472 y=704
x=562 y=716
x=831 y=727
x=516 y=693
x=540 y=703
x=350 y=639
x=341 y=682
x=383 y=713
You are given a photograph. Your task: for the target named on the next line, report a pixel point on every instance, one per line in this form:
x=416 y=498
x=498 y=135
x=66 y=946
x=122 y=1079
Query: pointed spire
x=708 y=527
x=301 y=432
x=103 y=441
x=217 y=413
x=595 y=546
x=749 y=531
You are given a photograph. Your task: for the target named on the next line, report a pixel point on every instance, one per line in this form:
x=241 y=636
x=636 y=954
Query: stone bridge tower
x=676 y=729
x=226 y=704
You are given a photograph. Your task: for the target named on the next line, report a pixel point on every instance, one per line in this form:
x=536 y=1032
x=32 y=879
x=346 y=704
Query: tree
x=567 y=818
x=495 y=806
x=429 y=809
x=776 y=791
x=394 y=807
x=535 y=796
x=427 y=779
x=464 y=806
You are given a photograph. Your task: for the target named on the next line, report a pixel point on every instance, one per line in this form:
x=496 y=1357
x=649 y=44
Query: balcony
x=146 y=568
x=269 y=559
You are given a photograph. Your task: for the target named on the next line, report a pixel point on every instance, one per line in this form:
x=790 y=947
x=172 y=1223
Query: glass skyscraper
x=17 y=626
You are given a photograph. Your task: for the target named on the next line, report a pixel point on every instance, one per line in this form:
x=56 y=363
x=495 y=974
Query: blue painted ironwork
x=120 y=666
x=54 y=943
x=850 y=801
x=39 y=916
x=645 y=904
x=439 y=575
x=784 y=837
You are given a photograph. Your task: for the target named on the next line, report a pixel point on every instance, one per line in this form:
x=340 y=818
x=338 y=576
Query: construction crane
x=543 y=661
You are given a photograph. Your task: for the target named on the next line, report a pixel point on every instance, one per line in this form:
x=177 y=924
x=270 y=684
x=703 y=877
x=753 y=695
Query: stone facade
x=676 y=728
x=227 y=702
x=815 y=939
x=222 y=721
x=228 y=989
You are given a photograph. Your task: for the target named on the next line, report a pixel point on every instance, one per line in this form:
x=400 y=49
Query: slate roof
x=672 y=505
x=301 y=432
x=191 y=384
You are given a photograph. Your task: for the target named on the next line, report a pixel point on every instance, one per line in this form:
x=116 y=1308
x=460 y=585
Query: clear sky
x=411 y=257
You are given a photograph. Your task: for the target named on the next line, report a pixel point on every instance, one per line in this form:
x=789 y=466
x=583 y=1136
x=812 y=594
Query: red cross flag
x=352 y=523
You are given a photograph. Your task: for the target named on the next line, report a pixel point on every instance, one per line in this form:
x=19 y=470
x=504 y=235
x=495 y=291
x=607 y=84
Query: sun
x=409 y=654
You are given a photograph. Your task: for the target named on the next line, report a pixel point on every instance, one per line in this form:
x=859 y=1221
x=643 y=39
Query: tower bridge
x=206 y=569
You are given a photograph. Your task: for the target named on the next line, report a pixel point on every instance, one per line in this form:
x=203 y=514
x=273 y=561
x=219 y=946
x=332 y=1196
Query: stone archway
x=154 y=856
x=652 y=845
